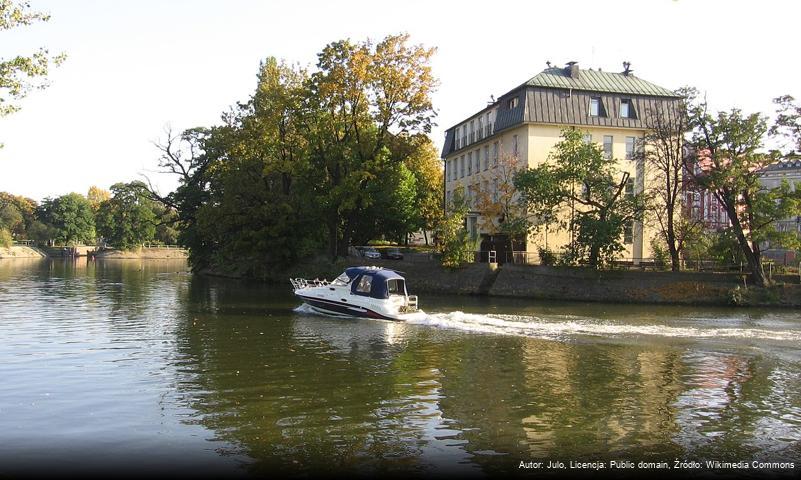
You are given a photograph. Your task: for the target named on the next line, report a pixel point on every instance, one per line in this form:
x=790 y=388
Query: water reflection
x=150 y=365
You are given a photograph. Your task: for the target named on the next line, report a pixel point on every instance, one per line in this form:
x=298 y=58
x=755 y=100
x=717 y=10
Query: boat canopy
x=375 y=283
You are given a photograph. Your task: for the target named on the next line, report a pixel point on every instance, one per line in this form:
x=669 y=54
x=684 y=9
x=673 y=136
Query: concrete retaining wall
x=617 y=286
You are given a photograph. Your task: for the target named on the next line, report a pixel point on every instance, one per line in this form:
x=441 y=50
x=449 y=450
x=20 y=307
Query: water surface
x=126 y=365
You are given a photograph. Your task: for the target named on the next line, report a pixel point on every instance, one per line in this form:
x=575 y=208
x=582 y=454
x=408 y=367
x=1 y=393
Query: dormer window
x=627 y=109
x=596 y=107
x=512 y=103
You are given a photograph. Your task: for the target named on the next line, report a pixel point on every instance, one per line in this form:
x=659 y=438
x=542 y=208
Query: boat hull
x=340 y=309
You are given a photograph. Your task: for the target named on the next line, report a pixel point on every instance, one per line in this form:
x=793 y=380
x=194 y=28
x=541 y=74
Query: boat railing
x=298 y=283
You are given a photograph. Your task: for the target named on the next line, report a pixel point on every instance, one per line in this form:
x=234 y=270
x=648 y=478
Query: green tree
x=578 y=174
x=6 y=240
x=361 y=96
x=729 y=153
x=424 y=163
x=70 y=216
x=128 y=218
x=20 y=74
x=17 y=213
x=455 y=245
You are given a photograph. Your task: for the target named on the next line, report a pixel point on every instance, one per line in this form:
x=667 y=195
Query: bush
x=6 y=240
x=547 y=257
x=660 y=253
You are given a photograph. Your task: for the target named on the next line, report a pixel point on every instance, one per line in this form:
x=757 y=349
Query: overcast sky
x=134 y=67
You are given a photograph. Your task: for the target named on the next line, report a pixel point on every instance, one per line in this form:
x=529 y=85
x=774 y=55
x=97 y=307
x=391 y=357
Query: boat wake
x=567 y=326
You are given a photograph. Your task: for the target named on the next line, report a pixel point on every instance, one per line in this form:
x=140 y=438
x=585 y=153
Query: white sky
x=134 y=67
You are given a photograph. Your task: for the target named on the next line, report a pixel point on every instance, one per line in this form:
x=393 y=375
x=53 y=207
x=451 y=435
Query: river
x=139 y=366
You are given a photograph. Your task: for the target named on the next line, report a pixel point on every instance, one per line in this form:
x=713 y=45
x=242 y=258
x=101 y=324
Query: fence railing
x=630 y=263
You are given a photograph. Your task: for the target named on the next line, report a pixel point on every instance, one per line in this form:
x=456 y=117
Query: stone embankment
x=20 y=251
x=572 y=284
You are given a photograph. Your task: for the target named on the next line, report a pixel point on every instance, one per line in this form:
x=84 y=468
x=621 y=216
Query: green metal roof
x=597 y=81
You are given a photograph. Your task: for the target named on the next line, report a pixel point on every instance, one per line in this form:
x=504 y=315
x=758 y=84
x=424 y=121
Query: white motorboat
x=368 y=292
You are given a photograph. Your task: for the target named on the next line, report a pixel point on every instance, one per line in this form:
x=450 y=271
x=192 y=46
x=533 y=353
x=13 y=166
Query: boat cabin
x=375 y=283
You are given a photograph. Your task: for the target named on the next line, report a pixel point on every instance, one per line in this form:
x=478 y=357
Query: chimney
x=572 y=69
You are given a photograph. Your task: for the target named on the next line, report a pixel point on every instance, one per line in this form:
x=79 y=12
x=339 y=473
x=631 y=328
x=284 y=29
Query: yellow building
x=524 y=125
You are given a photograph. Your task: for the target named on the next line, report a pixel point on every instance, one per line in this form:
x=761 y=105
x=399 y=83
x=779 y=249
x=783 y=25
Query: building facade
x=770 y=177
x=612 y=109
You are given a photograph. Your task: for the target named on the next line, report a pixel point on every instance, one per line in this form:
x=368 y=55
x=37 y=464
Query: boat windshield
x=341 y=280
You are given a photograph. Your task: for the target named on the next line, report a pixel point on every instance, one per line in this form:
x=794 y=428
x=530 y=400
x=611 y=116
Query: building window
x=456 y=139
x=488 y=126
x=480 y=130
x=478 y=160
x=448 y=197
x=608 y=140
x=631 y=145
x=495 y=190
x=513 y=102
x=627 y=109
x=595 y=107
x=447 y=170
x=495 y=154
x=461 y=166
x=628 y=228
x=486 y=157
x=587 y=138
x=464 y=135
x=469 y=163
x=472 y=132
x=515 y=146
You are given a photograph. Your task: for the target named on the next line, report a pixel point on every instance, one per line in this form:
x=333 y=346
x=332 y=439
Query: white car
x=370 y=252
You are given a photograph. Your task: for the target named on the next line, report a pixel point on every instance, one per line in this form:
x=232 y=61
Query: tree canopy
x=729 y=154
x=315 y=159
x=22 y=73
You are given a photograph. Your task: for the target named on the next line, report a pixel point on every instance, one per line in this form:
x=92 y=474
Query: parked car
x=392 y=254
x=370 y=252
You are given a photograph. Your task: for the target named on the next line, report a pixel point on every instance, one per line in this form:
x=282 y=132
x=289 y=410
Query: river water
x=139 y=366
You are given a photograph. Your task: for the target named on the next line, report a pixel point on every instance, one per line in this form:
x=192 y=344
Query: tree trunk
x=332 y=239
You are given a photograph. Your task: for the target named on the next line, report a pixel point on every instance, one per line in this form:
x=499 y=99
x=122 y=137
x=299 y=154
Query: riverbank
x=562 y=283
x=20 y=251
x=152 y=253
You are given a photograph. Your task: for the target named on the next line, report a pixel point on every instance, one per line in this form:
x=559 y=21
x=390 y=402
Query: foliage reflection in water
x=156 y=368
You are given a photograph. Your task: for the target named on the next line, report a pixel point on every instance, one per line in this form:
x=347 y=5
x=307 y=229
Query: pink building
x=701 y=204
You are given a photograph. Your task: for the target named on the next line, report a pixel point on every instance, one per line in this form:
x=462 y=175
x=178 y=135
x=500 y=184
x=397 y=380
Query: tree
x=17 y=213
x=455 y=244
x=663 y=155
x=20 y=74
x=788 y=123
x=424 y=163
x=360 y=97
x=502 y=211
x=579 y=174
x=96 y=196
x=70 y=216
x=128 y=218
x=728 y=149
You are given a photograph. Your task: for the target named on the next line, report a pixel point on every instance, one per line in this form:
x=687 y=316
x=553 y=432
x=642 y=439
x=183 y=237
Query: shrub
x=5 y=238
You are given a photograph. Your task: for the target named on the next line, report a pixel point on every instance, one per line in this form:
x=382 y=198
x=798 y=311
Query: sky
x=134 y=68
